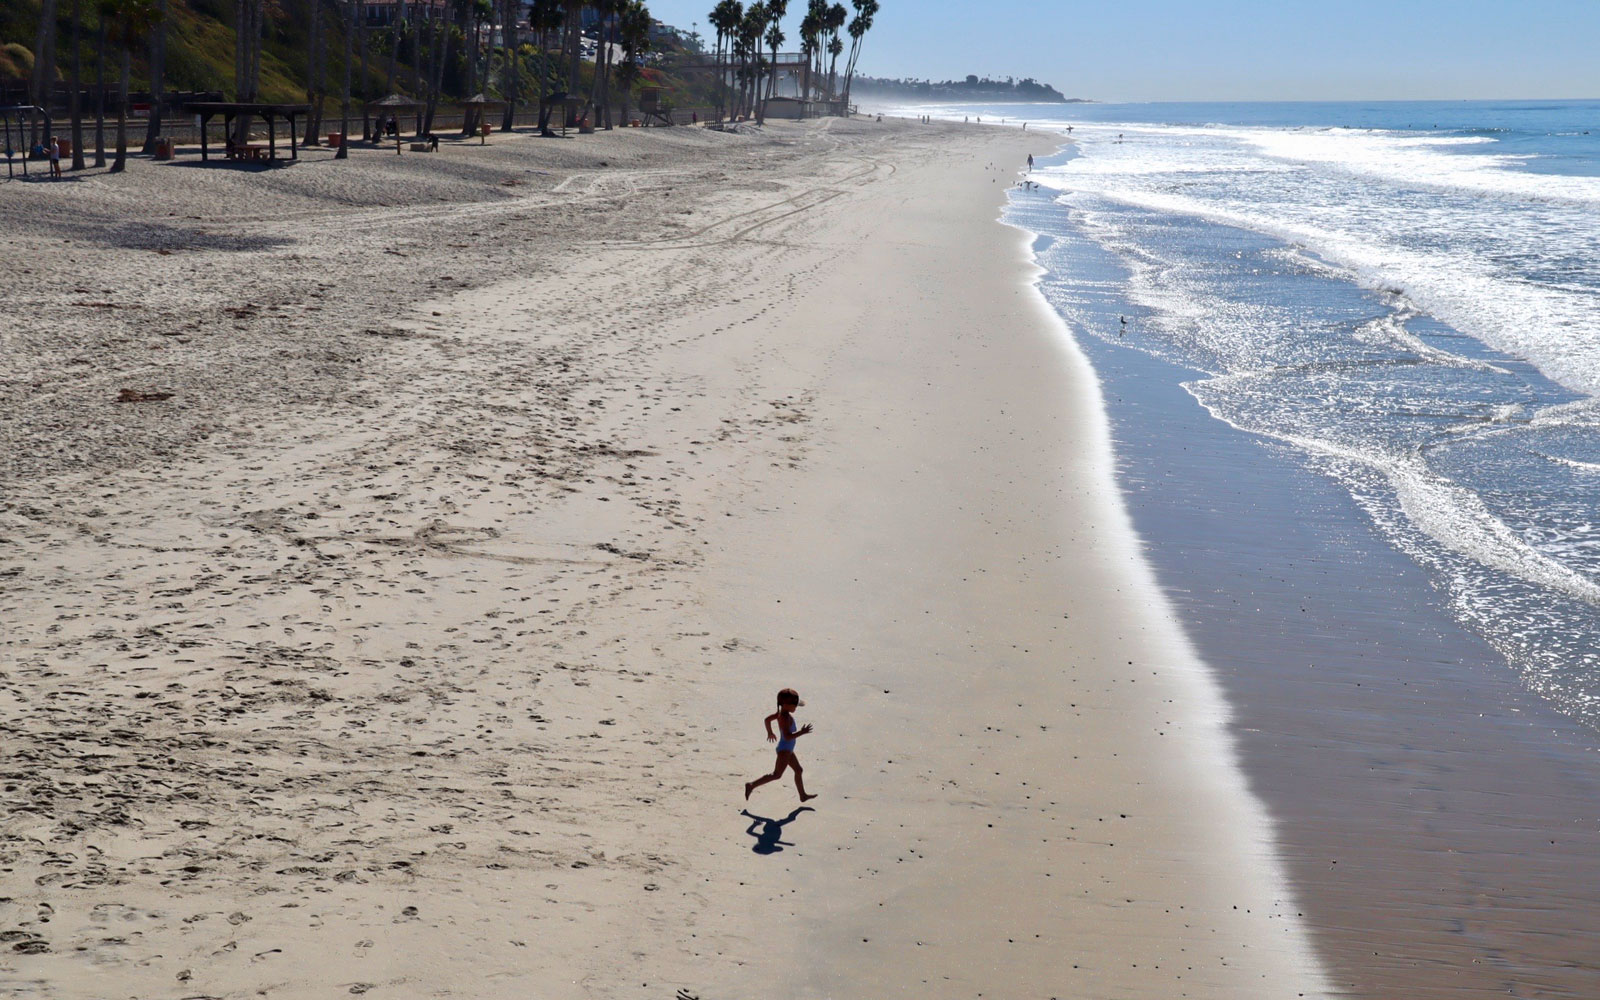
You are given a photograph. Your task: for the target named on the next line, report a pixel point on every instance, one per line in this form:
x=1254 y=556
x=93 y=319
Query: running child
x=788 y=701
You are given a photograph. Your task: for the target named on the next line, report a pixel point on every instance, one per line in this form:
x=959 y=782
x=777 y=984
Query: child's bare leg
x=777 y=772
x=799 y=780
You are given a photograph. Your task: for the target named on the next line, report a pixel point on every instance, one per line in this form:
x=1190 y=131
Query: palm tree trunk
x=313 y=26
x=544 y=84
x=247 y=61
x=76 y=98
x=158 y=85
x=772 y=77
x=360 y=24
x=441 y=55
x=508 y=41
x=597 y=84
x=850 y=67
x=260 y=13
x=722 y=79
x=100 y=90
x=121 y=162
x=241 y=48
x=416 y=56
x=395 y=38
x=469 y=117
x=574 y=49
x=44 y=62
x=349 y=59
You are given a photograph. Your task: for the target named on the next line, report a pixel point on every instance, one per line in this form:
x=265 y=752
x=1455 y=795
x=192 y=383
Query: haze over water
x=1405 y=295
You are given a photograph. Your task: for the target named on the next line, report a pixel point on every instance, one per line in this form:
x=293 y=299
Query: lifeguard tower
x=653 y=107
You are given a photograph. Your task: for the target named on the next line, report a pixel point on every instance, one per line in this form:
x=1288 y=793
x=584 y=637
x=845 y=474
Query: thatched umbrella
x=392 y=105
x=482 y=104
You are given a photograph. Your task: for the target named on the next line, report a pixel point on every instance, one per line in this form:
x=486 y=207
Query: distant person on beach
x=788 y=701
x=1030 y=161
x=55 y=158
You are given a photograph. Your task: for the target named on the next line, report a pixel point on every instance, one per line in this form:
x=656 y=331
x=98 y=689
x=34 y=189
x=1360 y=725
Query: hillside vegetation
x=200 y=50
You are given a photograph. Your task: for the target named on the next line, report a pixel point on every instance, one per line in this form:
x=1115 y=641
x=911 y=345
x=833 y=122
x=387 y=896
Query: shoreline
x=1432 y=811
x=456 y=628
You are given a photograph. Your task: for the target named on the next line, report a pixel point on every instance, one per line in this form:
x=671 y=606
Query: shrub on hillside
x=16 y=61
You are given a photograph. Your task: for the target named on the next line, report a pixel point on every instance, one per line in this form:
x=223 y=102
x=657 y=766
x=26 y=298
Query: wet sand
x=1437 y=818
x=397 y=566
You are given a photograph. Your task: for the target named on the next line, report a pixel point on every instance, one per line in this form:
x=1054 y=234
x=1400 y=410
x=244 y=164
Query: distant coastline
x=972 y=89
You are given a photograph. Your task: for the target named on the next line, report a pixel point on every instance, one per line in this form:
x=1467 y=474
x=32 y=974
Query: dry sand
x=417 y=643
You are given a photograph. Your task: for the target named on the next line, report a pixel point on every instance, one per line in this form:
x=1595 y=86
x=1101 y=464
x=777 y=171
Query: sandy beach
x=398 y=556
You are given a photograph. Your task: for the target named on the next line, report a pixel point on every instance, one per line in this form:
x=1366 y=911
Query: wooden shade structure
x=206 y=110
x=392 y=105
x=483 y=104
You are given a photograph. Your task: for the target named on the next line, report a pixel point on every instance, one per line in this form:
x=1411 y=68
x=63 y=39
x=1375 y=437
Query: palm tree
x=480 y=11
x=545 y=17
x=725 y=17
x=738 y=54
x=364 y=80
x=396 y=36
x=811 y=40
x=574 y=45
x=440 y=36
x=316 y=71
x=104 y=11
x=158 y=62
x=751 y=29
x=134 y=19
x=599 y=89
x=634 y=27
x=44 y=58
x=249 y=16
x=75 y=99
x=716 y=17
x=513 y=61
x=866 y=10
x=775 y=11
x=349 y=61
x=834 y=22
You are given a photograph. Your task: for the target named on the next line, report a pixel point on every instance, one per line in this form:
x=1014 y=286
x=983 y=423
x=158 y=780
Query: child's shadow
x=768 y=837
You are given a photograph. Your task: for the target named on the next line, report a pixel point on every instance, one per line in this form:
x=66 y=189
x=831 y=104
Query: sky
x=1176 y=50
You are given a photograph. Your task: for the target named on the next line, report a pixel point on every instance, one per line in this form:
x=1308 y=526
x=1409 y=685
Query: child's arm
x=803 y=730
x=768 y=723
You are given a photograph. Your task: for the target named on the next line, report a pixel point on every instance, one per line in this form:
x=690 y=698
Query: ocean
x=1402 y=297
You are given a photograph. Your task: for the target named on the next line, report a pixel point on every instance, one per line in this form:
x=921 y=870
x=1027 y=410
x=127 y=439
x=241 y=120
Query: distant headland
x=973 y=88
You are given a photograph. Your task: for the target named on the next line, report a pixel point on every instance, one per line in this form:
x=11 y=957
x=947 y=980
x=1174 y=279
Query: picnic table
x=271 y=113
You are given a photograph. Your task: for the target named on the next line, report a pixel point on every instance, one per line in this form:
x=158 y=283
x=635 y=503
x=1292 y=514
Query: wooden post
x=294 y=150
x=272 y=137
x=205 y=151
